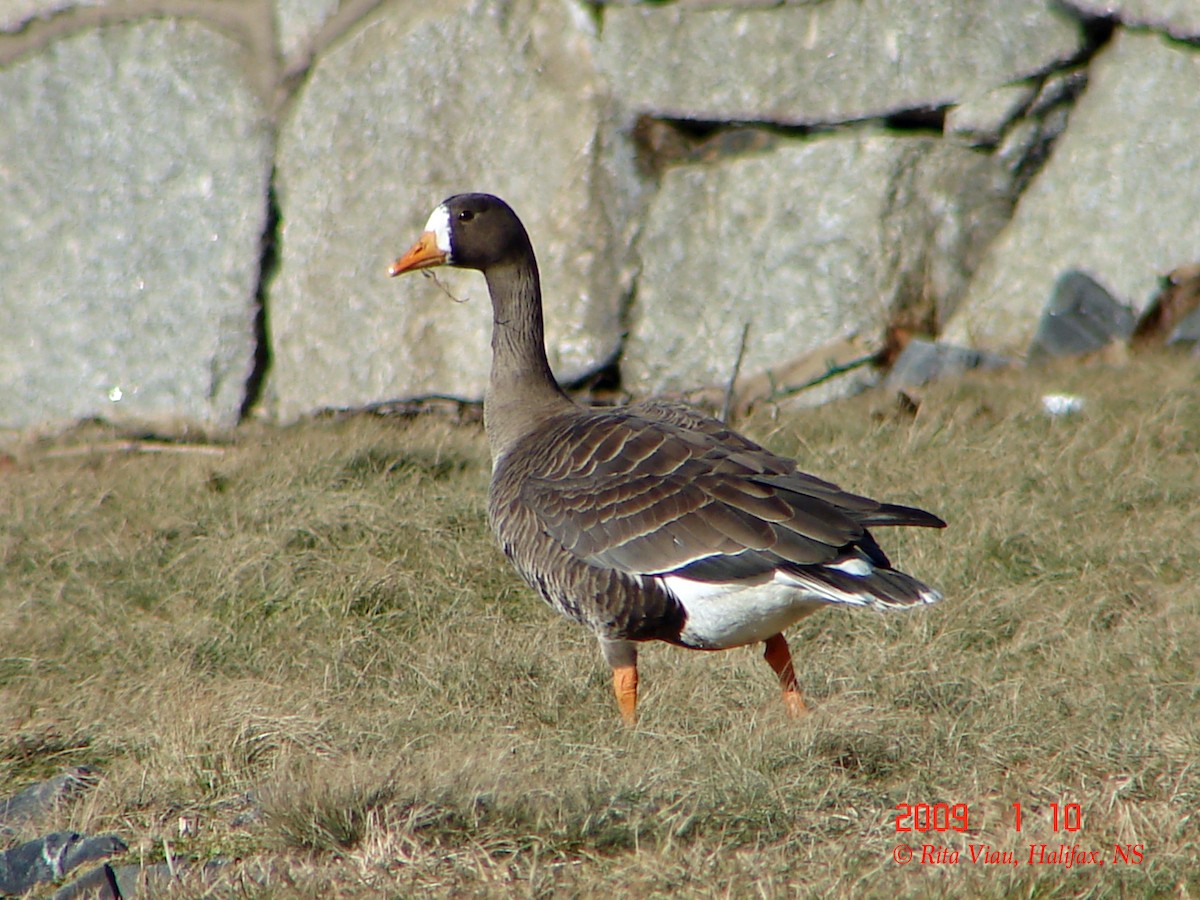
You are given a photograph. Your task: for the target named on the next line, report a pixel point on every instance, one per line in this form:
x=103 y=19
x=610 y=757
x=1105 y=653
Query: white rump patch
x=723 y=615
x=730 y=614
x=439 y=224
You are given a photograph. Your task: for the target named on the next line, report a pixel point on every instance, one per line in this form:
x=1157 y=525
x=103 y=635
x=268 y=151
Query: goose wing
x=643 y=495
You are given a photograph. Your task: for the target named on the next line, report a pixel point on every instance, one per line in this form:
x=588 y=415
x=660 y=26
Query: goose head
x=468 y=231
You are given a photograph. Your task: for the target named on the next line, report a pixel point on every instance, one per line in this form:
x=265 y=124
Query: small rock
x=1062 y=404
x=1081 y=317
x=52 y=856
x=17 y=14
x=99 y=884
x=159 y=879
x=1060 y=89
x=40 y=798
x=982 y=120
x=120 y=882
x=923 y=361
x=1020 y=144
x=1187 y=331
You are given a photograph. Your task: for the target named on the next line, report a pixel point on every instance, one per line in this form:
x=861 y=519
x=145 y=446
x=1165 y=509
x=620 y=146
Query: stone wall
x=199 y=199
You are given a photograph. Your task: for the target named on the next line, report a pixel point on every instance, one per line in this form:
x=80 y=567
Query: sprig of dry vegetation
x=305 y=655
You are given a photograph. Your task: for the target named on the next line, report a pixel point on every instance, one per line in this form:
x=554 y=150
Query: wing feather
x=654 y=494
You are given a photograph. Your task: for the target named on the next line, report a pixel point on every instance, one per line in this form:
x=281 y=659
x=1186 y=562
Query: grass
x=308 y=650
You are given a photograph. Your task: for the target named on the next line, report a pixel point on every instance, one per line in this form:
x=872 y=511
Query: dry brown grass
x=315 y=625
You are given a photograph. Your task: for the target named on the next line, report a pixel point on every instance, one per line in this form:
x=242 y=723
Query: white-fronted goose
x=653 y=521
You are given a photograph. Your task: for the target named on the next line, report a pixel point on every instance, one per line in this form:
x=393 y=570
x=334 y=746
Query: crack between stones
x=268 y=265
x=1098 y=33
x=664 y=140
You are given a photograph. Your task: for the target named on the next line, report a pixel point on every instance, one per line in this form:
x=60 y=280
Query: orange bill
x=423 y=255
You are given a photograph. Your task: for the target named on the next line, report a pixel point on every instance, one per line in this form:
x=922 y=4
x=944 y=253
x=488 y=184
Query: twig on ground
x=134 y=447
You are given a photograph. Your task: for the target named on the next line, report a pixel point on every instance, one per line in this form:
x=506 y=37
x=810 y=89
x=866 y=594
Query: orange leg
x=779 y=658
x=621 y=657
x=625 y=681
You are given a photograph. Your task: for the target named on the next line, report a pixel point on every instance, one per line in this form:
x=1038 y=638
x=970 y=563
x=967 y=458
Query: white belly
x=720 y=616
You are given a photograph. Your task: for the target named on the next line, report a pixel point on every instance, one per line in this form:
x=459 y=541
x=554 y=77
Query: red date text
x=926 y=817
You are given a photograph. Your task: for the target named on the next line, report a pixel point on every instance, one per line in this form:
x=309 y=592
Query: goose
x=653 y=521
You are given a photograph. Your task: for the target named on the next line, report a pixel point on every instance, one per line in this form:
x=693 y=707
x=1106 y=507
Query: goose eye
x=465 y=215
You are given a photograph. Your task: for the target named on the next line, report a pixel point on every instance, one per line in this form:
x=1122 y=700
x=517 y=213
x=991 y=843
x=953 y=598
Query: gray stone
x=1081 y=317
x=809 y=243
x=51 y=857
x=1028 y=144
x=15 y=14
x=982 y=120
x=1117 y=199
x=826 y=62
x=123 y=882
x=1019 y=143
x=178 y=878
x=40 y=798
x=1187 y=331
x=133 y=175
x=421 y=102
x=1180 y=18
x=103 y=883
x=298 y=21
x=1059 y=89
x=924 y=361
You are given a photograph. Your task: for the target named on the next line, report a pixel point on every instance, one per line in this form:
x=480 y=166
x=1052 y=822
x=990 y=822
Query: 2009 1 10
x=937 y=817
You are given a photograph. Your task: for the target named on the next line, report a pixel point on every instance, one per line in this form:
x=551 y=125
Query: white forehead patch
x=439 y=224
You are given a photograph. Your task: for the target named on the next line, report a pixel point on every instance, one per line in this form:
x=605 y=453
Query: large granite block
x=419 y=103
x=833 y=61
x=134 y=164
x=807 y=244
